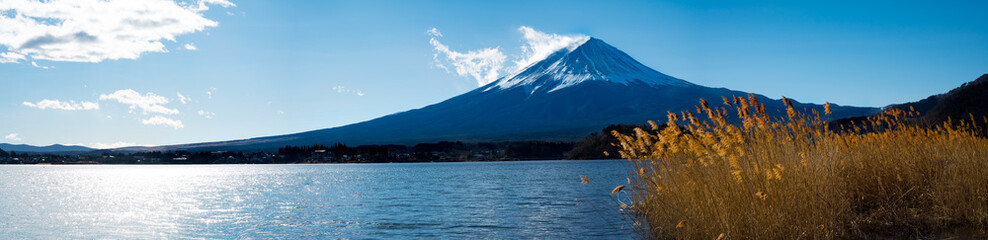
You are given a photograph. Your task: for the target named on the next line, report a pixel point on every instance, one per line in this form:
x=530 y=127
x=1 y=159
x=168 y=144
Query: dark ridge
x=968 y=103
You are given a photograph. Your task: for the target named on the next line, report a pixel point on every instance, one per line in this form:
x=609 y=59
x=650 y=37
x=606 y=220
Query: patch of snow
x=588 y=60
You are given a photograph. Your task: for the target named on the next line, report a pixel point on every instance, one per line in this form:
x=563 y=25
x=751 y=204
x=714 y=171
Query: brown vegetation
x=793 y=178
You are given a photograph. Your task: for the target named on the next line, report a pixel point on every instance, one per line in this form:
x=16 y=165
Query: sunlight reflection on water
x=426 y=200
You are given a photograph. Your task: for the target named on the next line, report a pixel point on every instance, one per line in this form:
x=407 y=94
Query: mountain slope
x=591 y=60
x=572 y=92
x=51 y=148
x=969 y=99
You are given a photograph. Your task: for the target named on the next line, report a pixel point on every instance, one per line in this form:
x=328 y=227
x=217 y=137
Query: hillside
x=577 y=90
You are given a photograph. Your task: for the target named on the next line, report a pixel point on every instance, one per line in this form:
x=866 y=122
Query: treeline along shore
x=592 y=147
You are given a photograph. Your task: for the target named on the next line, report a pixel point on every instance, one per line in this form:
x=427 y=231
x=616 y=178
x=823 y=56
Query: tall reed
x=737 y=173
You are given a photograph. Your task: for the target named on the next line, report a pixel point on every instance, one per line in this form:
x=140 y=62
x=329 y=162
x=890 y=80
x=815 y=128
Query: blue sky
x=258 y=68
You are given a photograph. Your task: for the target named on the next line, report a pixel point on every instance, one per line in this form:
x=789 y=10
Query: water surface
x=540 y=199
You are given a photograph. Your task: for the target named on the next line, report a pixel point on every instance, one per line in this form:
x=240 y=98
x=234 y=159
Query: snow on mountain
x=578 y=89
x=587 y=59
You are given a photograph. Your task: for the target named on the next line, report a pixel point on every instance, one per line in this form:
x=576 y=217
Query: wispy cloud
x=148 y=103
x=203 y=5
x=209 y=93
x=205 y=114
x=539 y=45
x=484 y=65
x=190 y=46
x=60 y=105
x=163 y=121
x=35 y=64
x=183 y=98
x=434 y=32
x=10 y=57
x=12 y=137
x=96 y=30
x=342 y=89
x=487 y=65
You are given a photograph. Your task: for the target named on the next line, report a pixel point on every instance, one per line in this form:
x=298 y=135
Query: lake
x=498 y=200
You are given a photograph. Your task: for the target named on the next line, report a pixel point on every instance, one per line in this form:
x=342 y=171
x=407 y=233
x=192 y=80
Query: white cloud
x=97 y=30
x=12 y=137
x=539 y=45
x=10 y=57
x=223 y=3
x=160 y=120
x=434 y=32
x=342 y=89
x=190 y=46
x=209 y=93
x=60 y=105
x=183 y=98
x=148 y=103
x=207 y=115
x=484 y=65
x=437 y=63
x=35 y=64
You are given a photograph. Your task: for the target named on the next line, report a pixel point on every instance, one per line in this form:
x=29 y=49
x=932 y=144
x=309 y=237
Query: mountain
x=970 y=99
x=586 y=60
x=574 y=91
x=966 y=101
x=51 y=148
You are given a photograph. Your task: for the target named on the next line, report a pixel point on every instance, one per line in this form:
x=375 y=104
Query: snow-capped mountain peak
x=587 y=60
x=551 y=99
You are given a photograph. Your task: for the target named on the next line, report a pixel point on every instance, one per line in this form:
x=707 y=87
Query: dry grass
x=792 y=178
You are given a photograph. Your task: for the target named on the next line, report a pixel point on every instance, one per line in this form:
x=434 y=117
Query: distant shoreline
x=298 y=163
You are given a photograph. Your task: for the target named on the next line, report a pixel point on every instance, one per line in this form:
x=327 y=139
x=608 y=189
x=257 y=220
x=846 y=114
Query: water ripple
x=353 y=201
